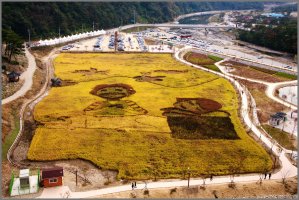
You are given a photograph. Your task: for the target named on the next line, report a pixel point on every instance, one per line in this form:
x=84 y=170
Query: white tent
x=68 y=38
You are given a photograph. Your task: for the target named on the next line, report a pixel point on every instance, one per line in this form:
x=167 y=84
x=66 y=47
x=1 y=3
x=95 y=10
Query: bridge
x=171 y=25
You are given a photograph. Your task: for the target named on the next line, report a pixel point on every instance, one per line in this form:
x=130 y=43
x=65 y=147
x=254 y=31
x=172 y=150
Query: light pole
x=295 y=123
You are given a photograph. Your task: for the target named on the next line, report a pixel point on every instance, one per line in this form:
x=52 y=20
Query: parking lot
x=134 y=42
x=130 y=42
x=187 y=37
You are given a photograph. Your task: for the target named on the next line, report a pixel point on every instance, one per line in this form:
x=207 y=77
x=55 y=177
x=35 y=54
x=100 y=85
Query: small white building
x=24 y=184
x=294 y=114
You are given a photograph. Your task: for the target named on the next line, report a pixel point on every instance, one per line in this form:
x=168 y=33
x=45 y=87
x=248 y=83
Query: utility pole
x=188 y=176
x=28 y=37
x=76 y=177
x=134 y=16
x=93 y=26
x=59 y=31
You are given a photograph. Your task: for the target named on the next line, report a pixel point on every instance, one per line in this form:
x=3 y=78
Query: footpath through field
x=271 y=87
x=287 y=170
x=26 y=76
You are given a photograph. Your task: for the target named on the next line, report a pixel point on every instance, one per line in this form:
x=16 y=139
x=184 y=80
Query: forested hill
x=44 y=18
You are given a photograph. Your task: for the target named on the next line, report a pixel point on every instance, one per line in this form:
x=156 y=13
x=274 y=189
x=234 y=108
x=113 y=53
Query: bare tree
x=284 y=174
x=182 y=159
x=203 y=186
x=107 y=175
x=85 y=174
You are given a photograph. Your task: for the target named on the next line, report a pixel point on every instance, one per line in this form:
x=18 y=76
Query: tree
x=107 y=175
x=13 y=43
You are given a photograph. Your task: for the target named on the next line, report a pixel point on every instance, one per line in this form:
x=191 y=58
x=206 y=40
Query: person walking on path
x=135 y=185
x=265 y=175
x=211 y=178
x=269 y=176
x=132 y=186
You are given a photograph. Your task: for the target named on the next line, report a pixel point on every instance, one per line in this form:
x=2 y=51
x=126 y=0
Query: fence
x=11 y=182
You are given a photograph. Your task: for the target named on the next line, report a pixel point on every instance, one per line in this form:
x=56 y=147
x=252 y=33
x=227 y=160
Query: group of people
x=134 y=185
x=266 y=175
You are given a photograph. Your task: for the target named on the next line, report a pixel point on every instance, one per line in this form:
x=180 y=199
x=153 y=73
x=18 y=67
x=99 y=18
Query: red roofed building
x=52 y=176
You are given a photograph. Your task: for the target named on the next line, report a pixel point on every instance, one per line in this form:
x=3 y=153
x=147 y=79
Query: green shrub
x=285 y=75
x=215 y=58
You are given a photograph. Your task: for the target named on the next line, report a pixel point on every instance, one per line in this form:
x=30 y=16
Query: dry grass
x=247 y=190
x=265 y=105
x=254 y=72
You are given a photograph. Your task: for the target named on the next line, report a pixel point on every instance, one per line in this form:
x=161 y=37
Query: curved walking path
x=271 y=87
x=42 y=93
x=287 y=170
x=27 y=76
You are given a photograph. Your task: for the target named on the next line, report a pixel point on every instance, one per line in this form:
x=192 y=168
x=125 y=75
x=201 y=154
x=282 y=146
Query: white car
x=295 y=155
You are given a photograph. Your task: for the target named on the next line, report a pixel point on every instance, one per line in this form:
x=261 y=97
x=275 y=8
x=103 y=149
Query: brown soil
x=265 y=105
x=11 y=114
x=116 y=92
x=172 y=71
x=198 y=59
x=194 y=105
x=9 y=88
x=269 y=188
x=197 y=55
x=91 y=72
x=40 y=52
x=149 y=78
x=149 y=41
x=67 y=83
x=249 y=72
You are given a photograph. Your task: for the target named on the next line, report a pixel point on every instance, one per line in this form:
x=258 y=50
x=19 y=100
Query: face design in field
x=199 y=118
x=114 y=105
x=113 y=92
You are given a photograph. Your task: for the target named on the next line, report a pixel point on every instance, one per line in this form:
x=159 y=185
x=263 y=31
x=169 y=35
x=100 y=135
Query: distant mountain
x=44 y=18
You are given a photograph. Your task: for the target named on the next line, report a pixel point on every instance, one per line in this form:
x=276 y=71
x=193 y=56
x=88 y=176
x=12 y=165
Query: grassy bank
x=282 y=137
x=9 y=139
x=206 y=61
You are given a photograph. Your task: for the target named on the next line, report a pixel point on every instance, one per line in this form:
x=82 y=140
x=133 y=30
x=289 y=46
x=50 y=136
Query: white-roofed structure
x=69 y=38
x=24 y=184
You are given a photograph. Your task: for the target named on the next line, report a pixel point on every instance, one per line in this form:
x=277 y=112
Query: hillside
x=44 y=19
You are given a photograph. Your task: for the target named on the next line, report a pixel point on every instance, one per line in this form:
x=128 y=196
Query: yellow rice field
x=137 y=145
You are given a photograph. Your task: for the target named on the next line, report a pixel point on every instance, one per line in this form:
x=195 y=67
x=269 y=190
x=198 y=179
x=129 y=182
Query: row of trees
x=44 y=18
x=282 y=37
x=13 y=44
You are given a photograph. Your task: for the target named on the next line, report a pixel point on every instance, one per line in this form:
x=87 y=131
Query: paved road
x=26 y=76
x=171 y=25
x=205 y=13
x=287 y=170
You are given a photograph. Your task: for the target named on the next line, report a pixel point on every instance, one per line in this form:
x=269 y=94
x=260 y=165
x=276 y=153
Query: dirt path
x=268 y=188
x=27 y=76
